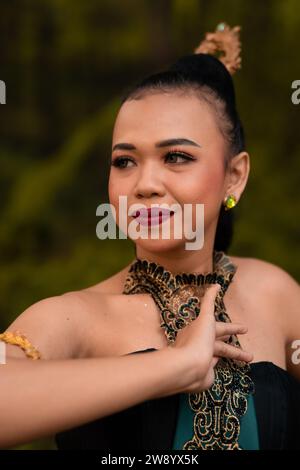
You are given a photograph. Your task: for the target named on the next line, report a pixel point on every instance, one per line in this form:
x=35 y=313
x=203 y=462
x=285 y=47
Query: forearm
x=41 y=398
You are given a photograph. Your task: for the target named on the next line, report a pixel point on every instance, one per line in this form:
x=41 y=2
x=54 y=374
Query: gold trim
x=20 y=340
x=216 y=411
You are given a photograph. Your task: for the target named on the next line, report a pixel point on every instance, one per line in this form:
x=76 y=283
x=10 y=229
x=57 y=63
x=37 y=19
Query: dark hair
x=209 y=79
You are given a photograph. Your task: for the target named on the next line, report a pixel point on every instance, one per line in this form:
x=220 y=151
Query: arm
x=284 y=291
x=290 y=306
x=40 y=398
x=283 y=294
x=52 y=326
x=70 y=392
x=64 y=388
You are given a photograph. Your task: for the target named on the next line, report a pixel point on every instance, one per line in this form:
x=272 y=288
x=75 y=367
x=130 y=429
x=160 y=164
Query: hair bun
x=205 y=69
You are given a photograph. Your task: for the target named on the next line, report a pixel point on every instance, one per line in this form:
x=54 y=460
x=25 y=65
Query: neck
x=189 y=261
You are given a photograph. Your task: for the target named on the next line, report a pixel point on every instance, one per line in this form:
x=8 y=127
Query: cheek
x=111 y=190
x=116 y=188
x=203 y=185
x=119 y=187
x=113 y=195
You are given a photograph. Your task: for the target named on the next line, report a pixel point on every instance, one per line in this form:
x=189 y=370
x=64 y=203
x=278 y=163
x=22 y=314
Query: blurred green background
x=66 y=64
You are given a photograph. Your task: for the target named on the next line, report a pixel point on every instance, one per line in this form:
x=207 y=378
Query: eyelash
x=118 y=160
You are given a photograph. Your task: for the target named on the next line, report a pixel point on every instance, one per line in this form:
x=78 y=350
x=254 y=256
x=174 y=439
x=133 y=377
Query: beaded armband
x=19 y=339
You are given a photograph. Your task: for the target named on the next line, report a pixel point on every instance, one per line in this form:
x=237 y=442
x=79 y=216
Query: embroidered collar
x=217 y=411
x=178 y=296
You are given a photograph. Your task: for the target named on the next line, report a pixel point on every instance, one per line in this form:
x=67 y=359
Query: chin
x=160 y=246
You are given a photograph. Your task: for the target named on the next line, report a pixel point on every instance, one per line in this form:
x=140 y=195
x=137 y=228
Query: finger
x=222 y=349
x=208 y=300
x=224 y=338
x=215 y=361
x=205 y=322
x=207 y=309
x=229 y=328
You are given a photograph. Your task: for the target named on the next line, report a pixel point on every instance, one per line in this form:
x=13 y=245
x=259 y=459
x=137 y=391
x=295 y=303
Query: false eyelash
x=180 y=153
x=117 y=160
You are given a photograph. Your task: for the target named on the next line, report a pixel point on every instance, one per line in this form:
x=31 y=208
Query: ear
x=237 y=175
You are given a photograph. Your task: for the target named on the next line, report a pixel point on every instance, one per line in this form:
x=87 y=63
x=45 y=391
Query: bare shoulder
x=52 y=326
x=267 y=275
x=280 y=289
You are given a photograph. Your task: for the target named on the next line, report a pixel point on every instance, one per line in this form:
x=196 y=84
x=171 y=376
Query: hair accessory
x=20 y=340
x=229 y=202
x=224 y=40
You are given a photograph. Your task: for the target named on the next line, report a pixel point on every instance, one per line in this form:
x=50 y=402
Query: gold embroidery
x=216 y=411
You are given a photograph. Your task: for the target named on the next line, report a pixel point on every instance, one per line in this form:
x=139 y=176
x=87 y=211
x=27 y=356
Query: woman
x=186 y=113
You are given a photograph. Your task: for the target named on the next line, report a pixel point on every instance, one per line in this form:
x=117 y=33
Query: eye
x=175 y=154
x=171 y=157
x=121 y=162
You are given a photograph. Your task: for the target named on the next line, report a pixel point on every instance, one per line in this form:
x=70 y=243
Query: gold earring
x=229 y=202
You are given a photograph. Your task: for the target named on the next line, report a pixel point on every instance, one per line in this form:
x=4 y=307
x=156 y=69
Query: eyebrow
x=162 y=143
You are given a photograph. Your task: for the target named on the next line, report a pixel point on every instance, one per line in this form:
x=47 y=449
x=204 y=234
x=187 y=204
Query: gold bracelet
x=19 y=339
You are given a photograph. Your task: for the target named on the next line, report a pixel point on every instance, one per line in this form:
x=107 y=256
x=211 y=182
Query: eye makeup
x=120 y=161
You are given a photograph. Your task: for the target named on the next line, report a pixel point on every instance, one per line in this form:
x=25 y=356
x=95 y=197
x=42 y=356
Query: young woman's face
x=149 y=173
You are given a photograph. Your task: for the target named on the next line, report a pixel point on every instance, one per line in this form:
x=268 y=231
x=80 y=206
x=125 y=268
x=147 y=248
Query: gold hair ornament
x=224 y=40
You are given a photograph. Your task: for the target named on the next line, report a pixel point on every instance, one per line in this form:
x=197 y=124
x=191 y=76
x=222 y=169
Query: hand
x=202 y=343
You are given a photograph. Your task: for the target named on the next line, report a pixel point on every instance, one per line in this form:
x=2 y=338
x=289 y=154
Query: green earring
x=229 y=202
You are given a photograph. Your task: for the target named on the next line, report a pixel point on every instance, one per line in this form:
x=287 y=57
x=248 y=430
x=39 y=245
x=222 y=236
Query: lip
x=152 y=216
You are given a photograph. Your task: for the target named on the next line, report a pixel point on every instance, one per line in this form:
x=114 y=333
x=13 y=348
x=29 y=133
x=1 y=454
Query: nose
x=149 y=183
